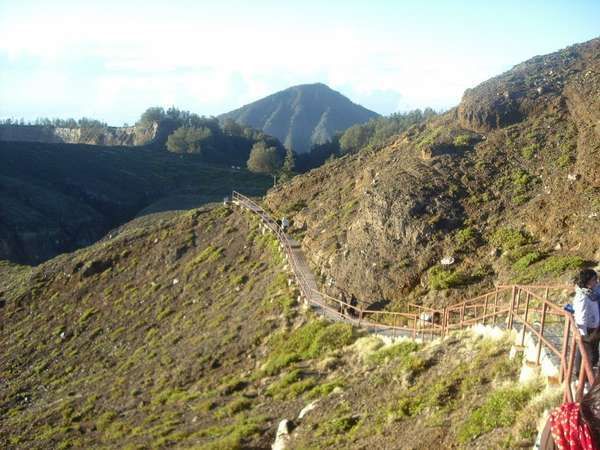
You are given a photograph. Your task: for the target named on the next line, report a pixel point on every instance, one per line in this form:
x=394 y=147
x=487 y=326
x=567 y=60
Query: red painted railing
x=525 y=308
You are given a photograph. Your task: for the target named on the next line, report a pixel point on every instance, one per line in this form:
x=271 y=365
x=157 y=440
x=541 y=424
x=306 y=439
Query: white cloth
x=587 y=314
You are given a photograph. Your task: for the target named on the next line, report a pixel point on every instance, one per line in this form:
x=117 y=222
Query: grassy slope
x=159 y=337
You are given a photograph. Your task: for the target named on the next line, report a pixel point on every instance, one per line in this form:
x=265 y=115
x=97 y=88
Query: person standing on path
x=587 y=316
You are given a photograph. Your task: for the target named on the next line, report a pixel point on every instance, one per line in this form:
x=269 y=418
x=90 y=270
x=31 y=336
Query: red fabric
x=568 y=430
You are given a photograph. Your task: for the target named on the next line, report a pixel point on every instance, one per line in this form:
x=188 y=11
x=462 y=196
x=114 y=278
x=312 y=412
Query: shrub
x=509 y=238
x=464 y=236
x=525 y=261
x=462 y=140
x=499 y=410
x=529 y=151
x=559 y=264
x=442 y=278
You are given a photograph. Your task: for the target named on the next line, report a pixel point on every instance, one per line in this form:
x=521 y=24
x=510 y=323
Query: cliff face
x=109 y=136
x=507 y=184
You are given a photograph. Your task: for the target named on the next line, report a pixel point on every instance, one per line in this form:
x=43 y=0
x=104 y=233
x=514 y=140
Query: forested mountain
x=302 y=116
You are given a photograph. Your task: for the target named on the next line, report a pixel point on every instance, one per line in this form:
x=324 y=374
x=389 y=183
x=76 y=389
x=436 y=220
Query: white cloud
x=209 y=65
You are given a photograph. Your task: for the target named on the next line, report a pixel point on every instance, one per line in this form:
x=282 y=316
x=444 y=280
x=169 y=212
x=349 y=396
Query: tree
x=189 y=140
x=289 y=166
x=151 y=115
x=264 y=159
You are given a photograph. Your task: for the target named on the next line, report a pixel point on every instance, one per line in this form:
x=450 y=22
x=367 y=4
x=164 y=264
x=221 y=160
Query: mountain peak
x=302 y=115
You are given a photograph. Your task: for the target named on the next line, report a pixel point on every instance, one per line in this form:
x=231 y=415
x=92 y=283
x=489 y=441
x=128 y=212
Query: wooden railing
x=524 y=308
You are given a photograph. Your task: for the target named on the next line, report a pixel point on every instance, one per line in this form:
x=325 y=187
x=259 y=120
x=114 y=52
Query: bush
x=509 y=238
x=462 y=140
x=442 y=278
x=529 y=151
x=525 y=261
x=264 y=159
x=499 y=410
x=464 y=236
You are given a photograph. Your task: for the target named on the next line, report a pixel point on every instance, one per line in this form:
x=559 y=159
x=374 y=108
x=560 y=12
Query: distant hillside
x=506 y=186
x=58 y=197
x=302 y=115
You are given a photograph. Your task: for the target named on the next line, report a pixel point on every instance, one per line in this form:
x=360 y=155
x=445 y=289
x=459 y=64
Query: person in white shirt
x=587 y=315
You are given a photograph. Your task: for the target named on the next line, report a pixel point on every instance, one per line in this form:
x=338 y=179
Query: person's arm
x=596 y=293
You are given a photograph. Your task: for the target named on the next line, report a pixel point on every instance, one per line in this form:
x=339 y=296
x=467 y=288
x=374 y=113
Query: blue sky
x=112 y=59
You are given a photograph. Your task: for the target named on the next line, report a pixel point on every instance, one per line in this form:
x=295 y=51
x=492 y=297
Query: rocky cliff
x=505 y=186
x=109 y=136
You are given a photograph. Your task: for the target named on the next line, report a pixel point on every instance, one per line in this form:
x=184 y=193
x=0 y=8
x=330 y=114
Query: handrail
x=507 y=303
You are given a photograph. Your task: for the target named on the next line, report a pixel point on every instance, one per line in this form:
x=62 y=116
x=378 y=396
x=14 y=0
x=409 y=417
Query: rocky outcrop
x=518 y=152
x=528 y=88
x=109 y=136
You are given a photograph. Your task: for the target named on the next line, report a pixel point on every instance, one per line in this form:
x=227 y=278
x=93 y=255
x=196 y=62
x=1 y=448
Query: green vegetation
x=291 y=385
x=530 y=151
x=312 y=340
x=462 y=140
x=526 y=260
x=509 y=238
x=465 y=236
x=499 y=410
x=264 y=159
x=446 y=278
x=190 y=140
x=371 y=135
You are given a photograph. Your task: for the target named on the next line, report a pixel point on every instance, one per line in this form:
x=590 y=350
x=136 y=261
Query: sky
x=111 y=60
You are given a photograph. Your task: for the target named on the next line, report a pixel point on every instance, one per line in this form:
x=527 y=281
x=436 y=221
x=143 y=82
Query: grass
x=397 y=352
x=311 y=340
x=500 y=409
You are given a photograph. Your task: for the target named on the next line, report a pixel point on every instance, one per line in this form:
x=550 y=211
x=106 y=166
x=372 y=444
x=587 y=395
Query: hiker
x=342 y=305
x=587 y=316
x=285 y=223
x=574 y=425
x=354 y=304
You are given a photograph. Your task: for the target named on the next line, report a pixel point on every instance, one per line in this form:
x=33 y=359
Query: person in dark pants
x=587 y=316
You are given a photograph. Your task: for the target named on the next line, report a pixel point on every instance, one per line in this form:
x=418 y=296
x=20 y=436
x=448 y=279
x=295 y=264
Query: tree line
x=84 y=122
x=370 y=135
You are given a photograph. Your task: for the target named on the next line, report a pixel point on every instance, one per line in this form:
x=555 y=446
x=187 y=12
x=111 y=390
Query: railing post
x=462 y=315
x=485 y=306
x=568 y=394
x=510 y=310
x=563 y=358
x=415 y=327
x=525 y=319
x=495 y=307
x=539 y=347
x=444 y=321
